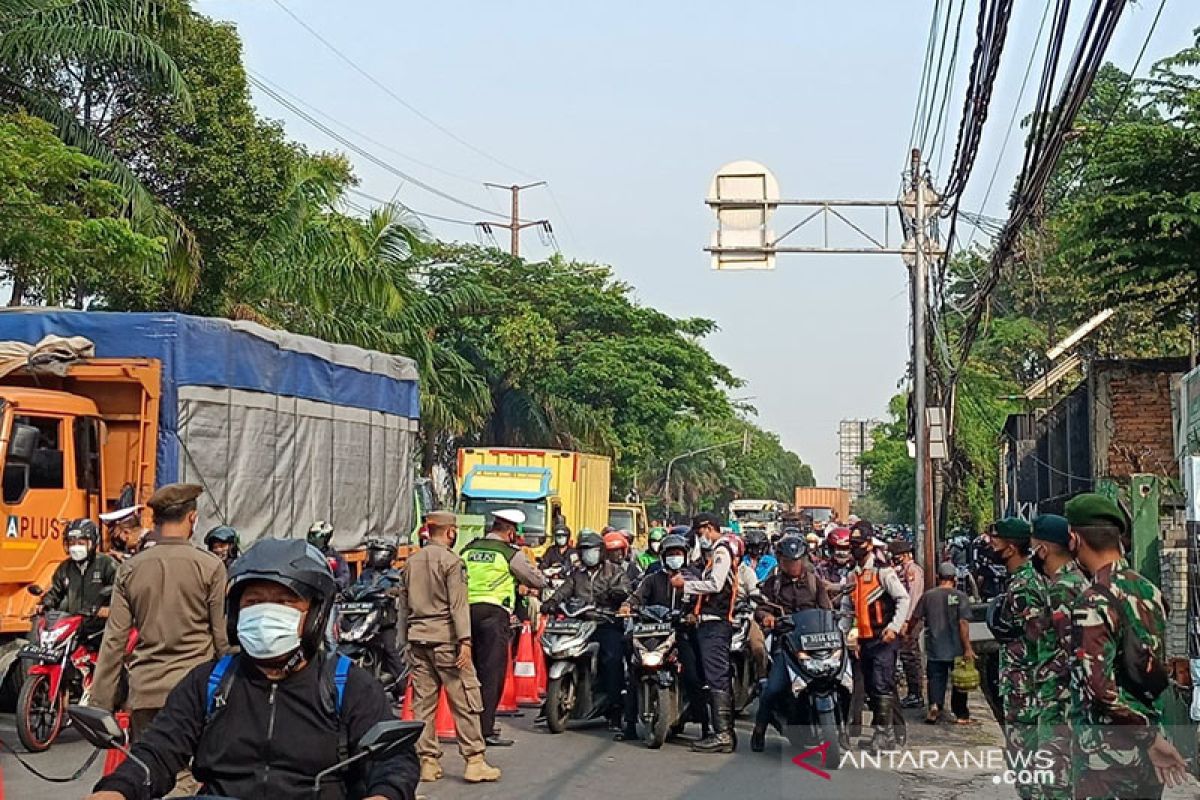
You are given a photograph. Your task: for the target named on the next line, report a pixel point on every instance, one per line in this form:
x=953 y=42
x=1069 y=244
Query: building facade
x=854 y=437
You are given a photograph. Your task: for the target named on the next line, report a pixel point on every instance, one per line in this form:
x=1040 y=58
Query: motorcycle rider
x=78 y=583
x=716 y=593
x=378 y=573
x=835 y=569
x=617 y=550
x=795 y=587
x=125 y=531
x=875 y=605
x=268 y=723
x=560 y=554
x=758 y=554
x=222 y=541
x=652 y=558
x=604 y=583
x=320 y=536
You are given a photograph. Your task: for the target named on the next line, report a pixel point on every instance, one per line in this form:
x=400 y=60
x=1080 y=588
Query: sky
x=628 y=108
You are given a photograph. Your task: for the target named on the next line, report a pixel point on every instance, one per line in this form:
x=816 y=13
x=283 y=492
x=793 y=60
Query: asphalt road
x=589 y=764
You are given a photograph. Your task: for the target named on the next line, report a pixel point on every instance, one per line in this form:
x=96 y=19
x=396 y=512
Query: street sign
x=744 y=195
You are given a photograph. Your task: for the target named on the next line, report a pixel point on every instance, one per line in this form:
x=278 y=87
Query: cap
x=121 y=513
x=1088 y=509
x=1013 y=528
x=706 y=518
x=899 y=546
x=947 y=570
x=1052 y=528
x=513 y=515
x=174 y=494
x=441 y=518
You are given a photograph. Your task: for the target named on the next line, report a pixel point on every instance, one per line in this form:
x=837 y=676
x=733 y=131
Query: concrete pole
x=923 y=533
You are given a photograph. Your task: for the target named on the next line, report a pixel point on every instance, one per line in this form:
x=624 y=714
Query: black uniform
x=268 y=740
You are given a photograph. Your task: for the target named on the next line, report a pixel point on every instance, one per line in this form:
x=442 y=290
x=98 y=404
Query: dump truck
x=280 y=430
x=822 y=504
x=631 y=517
x=549 y=486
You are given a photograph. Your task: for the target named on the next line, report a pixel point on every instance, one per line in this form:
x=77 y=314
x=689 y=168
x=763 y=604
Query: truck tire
x=560 y=701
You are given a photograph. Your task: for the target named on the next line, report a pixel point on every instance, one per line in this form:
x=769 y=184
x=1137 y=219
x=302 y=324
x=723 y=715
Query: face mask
x=561 y=541
x=78 y=552
x=996 y=556
x=859 y=553
x=706 y=544
x=269 y=630
x=590 y=557
x=655 y=547
x=674 y=562
x=1039 y=561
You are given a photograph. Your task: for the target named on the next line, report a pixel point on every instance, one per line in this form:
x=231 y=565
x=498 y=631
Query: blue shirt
x=766 y=565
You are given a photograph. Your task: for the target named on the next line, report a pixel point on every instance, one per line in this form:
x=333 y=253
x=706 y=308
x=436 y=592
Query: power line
x=391 y=93
x=422 y=214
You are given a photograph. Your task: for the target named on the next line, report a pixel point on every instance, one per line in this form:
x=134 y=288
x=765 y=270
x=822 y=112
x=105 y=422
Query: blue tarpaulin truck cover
x=280 y=429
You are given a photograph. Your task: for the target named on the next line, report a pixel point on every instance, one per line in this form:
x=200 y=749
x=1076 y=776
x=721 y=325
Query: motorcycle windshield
x=811 y=623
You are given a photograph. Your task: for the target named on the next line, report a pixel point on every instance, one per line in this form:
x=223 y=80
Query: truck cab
x=631 y=517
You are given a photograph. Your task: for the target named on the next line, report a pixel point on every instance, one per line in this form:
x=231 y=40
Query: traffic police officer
x=494 y=567
x=435 y=621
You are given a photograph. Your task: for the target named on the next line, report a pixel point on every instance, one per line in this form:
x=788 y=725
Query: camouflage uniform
x=1026 y=608
x=1053 y=680
x=1113 y=729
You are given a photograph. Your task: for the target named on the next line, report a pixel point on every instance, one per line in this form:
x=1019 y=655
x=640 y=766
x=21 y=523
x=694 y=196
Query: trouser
x=490 y=635
x=988 y=664
x=611 y=638
x=878 y=661
x=140 y=720
x=939 y=677
x=712 y=644
x=393 y=659
x=777 y=685
x=689 y=673
x=758 y=649
x=433 y=668
x=910 y=660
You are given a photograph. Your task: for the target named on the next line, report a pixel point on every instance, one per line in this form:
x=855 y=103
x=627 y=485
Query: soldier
x=1117 y=634
x=435 y=621
x=1022 y=609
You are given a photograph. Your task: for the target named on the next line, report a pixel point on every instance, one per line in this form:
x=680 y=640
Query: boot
x=885 y=733
x=431 y=769
x=758 y=738
x=722 y=740
x=479 y=771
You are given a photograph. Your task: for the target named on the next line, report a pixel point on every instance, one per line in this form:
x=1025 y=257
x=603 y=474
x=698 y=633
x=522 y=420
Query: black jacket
x=268 y=742
x=788 y=595
x=606 y=586
x=76 y=586
x=656 y=590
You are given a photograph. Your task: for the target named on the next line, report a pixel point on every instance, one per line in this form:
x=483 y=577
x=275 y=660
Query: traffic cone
x=539 y=659
x=525 y=670
x=444 y=722
x=406 y=713
x=508 y=700
x=114 y=757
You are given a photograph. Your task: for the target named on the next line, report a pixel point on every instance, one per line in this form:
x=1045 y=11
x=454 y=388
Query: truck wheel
x=560 y=702
x=39 y=716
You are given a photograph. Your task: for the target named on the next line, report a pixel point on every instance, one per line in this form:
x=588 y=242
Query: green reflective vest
x=489 y=579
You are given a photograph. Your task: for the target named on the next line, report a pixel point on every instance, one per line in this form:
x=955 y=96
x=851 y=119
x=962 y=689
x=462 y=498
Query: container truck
x=822 y=504
x=761 y=515
x=280 y=429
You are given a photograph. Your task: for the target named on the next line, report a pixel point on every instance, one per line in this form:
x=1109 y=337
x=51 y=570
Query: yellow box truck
x=549 y=486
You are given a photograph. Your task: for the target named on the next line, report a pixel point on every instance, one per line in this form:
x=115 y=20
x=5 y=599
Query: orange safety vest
x=873 y=606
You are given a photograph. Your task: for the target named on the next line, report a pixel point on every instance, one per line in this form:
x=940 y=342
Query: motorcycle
x=741 y=660
x=655 y=673
x=573 y=689
x=817 y=708
x=364 y=615
x=59 y=668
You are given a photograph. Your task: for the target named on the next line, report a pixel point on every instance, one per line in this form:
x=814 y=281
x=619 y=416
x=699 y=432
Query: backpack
x=334 y=674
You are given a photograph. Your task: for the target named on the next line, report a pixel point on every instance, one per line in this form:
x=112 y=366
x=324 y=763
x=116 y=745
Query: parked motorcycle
x=59 y=668
x=573 y=687
x=364 y=616
x=656 y=675
x=741 y=660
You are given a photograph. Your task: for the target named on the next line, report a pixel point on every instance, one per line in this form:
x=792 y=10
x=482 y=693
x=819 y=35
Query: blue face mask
x=590 y=557
x=269 y=630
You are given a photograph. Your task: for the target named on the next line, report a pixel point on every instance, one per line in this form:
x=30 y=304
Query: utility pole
x=920 y=280
x=514 y=225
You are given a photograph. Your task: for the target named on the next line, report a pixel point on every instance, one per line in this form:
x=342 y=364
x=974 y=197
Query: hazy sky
x=628 y=108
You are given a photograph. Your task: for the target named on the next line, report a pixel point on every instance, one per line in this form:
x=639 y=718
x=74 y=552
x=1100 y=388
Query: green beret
x=1013 y=528
x=1052 y=528
x=1089 y=509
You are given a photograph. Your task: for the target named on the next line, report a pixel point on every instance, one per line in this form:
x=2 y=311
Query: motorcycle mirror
x=35 y=590
x=383 y=739
x=98 y=726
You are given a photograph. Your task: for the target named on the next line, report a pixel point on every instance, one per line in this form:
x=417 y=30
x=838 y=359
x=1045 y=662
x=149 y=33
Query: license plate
x=35 y=652
x=562 y=627
x=820 y=641
x=355 y=608
x=652 y=629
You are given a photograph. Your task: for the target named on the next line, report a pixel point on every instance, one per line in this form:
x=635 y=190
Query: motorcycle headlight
x=54 y=636
x=822 y=665
x=652 y=659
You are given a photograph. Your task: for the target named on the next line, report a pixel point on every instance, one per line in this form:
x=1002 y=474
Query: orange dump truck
x=281 y=430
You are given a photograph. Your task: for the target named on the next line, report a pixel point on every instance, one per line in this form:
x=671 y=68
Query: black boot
x=884 y=724
x=758 y=738
x=722 y=740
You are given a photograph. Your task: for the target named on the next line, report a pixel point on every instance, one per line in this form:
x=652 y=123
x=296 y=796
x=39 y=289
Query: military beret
x=1051 y=528
x=1088 y=509
x=174 y=494
x=442 y=519
x=1013 y=528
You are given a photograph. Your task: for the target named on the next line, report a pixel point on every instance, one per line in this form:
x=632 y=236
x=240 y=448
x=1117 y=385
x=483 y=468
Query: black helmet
x=589 y=538
x=221 y=533
x=756 y=541
x=380 y=553
x=674 y=542
x=320 y=534
x=82 y=529
x=791 y=548
x=292 y=563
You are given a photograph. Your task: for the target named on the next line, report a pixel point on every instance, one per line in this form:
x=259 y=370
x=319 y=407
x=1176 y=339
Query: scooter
x=363 y=617
x=741 y=660
x=573 y=690
x=655 y=670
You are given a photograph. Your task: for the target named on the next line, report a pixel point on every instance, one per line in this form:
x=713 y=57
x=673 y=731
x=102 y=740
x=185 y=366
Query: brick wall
x=1136 y=427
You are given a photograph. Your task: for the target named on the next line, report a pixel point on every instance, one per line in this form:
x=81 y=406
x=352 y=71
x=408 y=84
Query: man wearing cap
x=174 y=595
x=1118 y=629
x=913 y=578
x=435 y=622
x=1022 y=609
x=125 y=531
x=494 y=568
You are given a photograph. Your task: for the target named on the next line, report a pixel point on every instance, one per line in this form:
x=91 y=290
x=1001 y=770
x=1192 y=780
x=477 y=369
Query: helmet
x=791 y=548
x=607 y=529
x=674 y=542
x=756 y=542
x=380 y=553
x=294 y=564
x=628 y=537
x=680 y=530
x=658 y=534
x=221 y=533
x=615 y=541
x=320 y=534
x=82 y=529
x=791 y=530
x=838 y=537
x=812 y=539
x=589 y=538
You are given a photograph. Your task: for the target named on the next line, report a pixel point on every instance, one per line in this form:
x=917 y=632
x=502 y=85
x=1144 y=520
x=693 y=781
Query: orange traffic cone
x=508 y=700
x=114 y=757
x=444 y=722
x=525 y=670
x=539 y=659
x=406 y=713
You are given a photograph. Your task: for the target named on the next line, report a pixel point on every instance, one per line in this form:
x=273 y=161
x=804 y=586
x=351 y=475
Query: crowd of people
x=234 y=648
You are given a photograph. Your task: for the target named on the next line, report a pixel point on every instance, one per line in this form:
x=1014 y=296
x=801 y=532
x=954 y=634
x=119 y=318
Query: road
x=587 y=764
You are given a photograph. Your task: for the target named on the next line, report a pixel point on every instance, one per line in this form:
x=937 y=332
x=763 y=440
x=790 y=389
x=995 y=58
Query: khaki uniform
x=434 y=618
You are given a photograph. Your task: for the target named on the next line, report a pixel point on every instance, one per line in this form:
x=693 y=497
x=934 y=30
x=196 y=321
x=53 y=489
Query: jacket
x=656 y=590
x=76 y=586
x=267 y=742
x=433 y=597
x=786 y=595
x=606 y=586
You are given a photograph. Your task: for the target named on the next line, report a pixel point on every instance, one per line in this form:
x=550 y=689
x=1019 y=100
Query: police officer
x=1117 y=634
x=125 y=531
x=494 y=568
x=913 y=578
x=435 y=621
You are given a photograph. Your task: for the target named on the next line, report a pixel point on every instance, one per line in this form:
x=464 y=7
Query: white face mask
x=591 y=556
x=269 y=630
x=78 y=552
x=561 y=541
x=674 y=562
